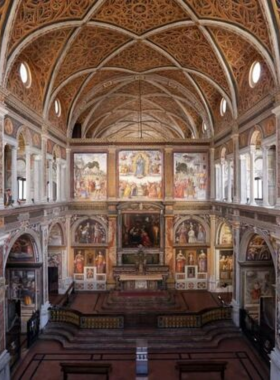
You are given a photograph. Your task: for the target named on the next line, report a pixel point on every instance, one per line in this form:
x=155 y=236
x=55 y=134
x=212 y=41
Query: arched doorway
x=56 y=260
x=224 y=260
x=258 y=292
x=24 y=289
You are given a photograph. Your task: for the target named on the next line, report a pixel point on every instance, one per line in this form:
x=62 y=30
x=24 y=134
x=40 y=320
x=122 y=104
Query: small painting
x=22 y=250
x=190 y=232
x=78 y=277
x=190 y=176
x=258 y=283
x=89 y=273
x=23 y=286
x=90 y=232
x=191 y=272
x=258 y=250
x=140 y=229
x=140 y=174
x=90 y=176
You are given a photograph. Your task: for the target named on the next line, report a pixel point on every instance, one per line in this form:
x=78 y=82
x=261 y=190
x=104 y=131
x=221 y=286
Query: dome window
x=223 y=107
x=25 y=74
x=255 y=73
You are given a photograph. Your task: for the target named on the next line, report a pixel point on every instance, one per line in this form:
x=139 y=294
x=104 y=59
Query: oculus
x=255 y=74
x=25 y=74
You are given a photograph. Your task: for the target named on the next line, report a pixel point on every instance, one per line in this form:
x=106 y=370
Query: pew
x=86 y=368
x=201 y=366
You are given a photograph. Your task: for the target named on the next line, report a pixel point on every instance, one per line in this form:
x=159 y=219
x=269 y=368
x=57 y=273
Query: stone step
x=74 y=338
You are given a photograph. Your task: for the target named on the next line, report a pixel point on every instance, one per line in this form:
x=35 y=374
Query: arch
x=26 y=134
x=86 y=219
x=197 y=219
x=254 y=136
x=35 y=239
x=246 y=238
x=219 y=231
x=62 y=230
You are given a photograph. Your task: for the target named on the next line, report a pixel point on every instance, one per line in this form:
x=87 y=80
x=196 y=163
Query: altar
x=141 y=281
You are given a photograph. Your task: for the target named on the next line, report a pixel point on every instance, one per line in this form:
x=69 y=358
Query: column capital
x=276 y=110
x=235 y=136
x=3 y=109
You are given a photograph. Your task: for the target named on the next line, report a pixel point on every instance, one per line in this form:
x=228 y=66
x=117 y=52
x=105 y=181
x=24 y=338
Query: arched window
x=25 y=74
x=255 y=74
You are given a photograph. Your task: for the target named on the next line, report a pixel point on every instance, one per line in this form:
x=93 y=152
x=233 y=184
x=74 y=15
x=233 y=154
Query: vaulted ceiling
x=124 y=67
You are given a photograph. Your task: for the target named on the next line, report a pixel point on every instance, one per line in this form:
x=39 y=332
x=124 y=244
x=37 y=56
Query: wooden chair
x=201 y=366
x=86 y=368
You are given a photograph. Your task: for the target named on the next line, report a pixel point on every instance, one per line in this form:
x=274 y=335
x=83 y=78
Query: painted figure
x=79 y=262
x=180 y=262
x=140 y=167
x=202 y=261
x=100 y=263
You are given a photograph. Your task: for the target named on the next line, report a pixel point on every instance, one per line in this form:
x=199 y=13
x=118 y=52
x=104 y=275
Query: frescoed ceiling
x=122 y=68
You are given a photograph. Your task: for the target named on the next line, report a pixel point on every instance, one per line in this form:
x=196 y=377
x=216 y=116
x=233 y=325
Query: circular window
x=255 y=73
x=223 y=107
x=57 y=107
x=25 y=74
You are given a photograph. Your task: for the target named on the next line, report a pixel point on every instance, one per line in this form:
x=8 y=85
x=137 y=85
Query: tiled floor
x=43 y=359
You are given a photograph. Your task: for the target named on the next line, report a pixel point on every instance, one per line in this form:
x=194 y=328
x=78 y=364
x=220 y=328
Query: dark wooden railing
x=65 y=299
x=86 y=321
x=33 y=328
x=194 y=320
x=261 y=337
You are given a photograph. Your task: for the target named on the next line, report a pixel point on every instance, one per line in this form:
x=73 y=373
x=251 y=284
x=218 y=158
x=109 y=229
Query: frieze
x=89 y=206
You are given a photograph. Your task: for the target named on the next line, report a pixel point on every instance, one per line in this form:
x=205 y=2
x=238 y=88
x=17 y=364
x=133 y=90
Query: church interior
x=140 y=189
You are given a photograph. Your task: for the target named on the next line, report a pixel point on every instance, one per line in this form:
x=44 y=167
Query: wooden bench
x=86 y=368
x=201 y=366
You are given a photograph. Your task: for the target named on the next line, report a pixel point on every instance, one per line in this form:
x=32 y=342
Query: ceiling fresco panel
x=140 y=16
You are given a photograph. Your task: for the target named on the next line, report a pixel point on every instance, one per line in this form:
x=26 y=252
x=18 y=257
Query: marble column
x=212 y=174
x=28 y=174
x=58 y=180
x=50 y=187
x=212 y=256
x=276 y=111
x=222 y=185
x=236 y=169
x=44 y=174
x=68 y=175
x=3 y=113
x=218 y=182
x=243 y=181
x=111 y=257
x=252 y=176
x=111 y=186
x=44 y=313
x=236 y=295
x=63 y=183
x=229 y=193
x=168 y=173
x=14 y=174
x=265 y=175
x=37 y=165
x=275 y=354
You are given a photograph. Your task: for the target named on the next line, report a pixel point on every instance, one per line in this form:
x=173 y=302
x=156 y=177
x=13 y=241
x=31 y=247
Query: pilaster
x=212 y=255
x=68 y=176
x=236 y=296
x=212 y=173
x=111 y=186
x=44 y=176
x=28 y=174
x=3 y=113
x=168 y=173
x=252 y=175
x=236 y=169
x=276 y=111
